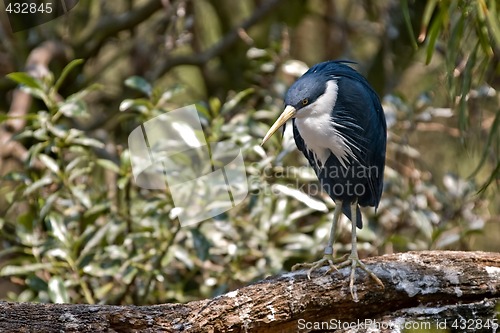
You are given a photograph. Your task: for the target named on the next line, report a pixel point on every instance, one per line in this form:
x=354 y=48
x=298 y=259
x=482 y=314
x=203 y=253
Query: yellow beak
x=288 y=113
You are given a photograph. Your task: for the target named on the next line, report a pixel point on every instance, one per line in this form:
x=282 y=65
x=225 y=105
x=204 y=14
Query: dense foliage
x=75 y=227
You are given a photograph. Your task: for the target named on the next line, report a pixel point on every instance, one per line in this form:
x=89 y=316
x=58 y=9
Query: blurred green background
x=76 y=228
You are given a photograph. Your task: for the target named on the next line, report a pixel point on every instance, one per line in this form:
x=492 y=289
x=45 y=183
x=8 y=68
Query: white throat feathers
x=321 y=135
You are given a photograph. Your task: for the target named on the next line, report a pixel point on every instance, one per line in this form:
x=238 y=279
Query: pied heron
x=339 y=125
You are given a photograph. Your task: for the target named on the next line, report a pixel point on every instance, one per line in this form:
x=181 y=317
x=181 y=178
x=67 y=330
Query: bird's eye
x=305 y=101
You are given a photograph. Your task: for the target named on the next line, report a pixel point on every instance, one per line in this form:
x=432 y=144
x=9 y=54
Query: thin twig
x=227 y=41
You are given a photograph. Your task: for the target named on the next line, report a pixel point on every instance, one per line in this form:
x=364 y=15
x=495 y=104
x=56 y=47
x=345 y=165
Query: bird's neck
x=317 y=130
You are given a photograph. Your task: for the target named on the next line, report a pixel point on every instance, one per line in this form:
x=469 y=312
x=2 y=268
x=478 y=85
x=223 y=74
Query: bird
x=339 y=125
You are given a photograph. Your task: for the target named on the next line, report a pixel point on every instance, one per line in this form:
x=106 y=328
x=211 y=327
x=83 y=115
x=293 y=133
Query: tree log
x=456 y=289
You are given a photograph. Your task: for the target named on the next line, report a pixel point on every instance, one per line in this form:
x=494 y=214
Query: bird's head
x=301 y=98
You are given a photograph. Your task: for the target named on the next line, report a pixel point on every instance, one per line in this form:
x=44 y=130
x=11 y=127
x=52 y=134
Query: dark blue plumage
x=358 y=111
x=339 y=125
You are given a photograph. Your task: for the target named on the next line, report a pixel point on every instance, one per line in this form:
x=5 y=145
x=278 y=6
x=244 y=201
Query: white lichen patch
x=290 y=284
x=493 y=272
x=429 y=284
x=271 y=315
x=292 y=275
x=71 y=323
x=232 y=294
x=409 y=257
x=453 y=276
x=425 y=310
x=68 y=316
x=244 y=310
x=324 y=281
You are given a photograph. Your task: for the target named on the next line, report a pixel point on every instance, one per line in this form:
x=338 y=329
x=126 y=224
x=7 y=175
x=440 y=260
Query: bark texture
x=431 y=286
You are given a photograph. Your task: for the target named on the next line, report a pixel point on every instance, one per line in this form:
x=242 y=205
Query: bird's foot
x=327 y=260
x=354 y=262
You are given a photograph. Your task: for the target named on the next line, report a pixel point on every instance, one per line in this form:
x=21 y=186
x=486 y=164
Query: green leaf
x=140 y=104
x=75 y=162
x=93 y=243
x=74 y=108
x=104 y=291
x=27 y=133
x=302 y=197
x=203 y=110
x=37 y=93
x=36 y=283
x=83 y=93
x=109 y=165
x=59 y=253
x=73 y=133
x=140 y=84
x=482 y=29
x=466 y=87
x=25 y=223
x=167 y=95
x=13 y=270
x=434 y=33
x=494 y=132
x=426 y=18
x=492 y=19
x=41 y=134
x=229 y=105
x=57 y=291
x=38 y=184
x=49 y=162
x=5 y=117
x=82 y=196
x=58 y=131
x=406 y=15
x=123 y=182
x=97 y=209
x=215 y=105
x=27 y=80
x=59 y=230
x=77 y=172
x=12 y=251
x=495 y=175
x=66 y=71
x=89 y=142
x=453 y=52
x=48 y=204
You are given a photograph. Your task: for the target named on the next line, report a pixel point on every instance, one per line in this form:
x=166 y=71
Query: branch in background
x=107 y=27
x=37 y=66
x=226 y=42
x=419 y=286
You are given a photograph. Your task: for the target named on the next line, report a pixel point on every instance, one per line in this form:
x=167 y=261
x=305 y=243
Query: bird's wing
x=359 y=117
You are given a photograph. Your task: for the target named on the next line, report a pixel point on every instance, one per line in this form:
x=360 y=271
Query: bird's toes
x=352 y=286
x=371 y=274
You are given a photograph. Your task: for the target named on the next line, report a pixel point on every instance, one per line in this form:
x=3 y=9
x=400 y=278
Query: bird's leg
x=328 y=256
x=353 y=259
